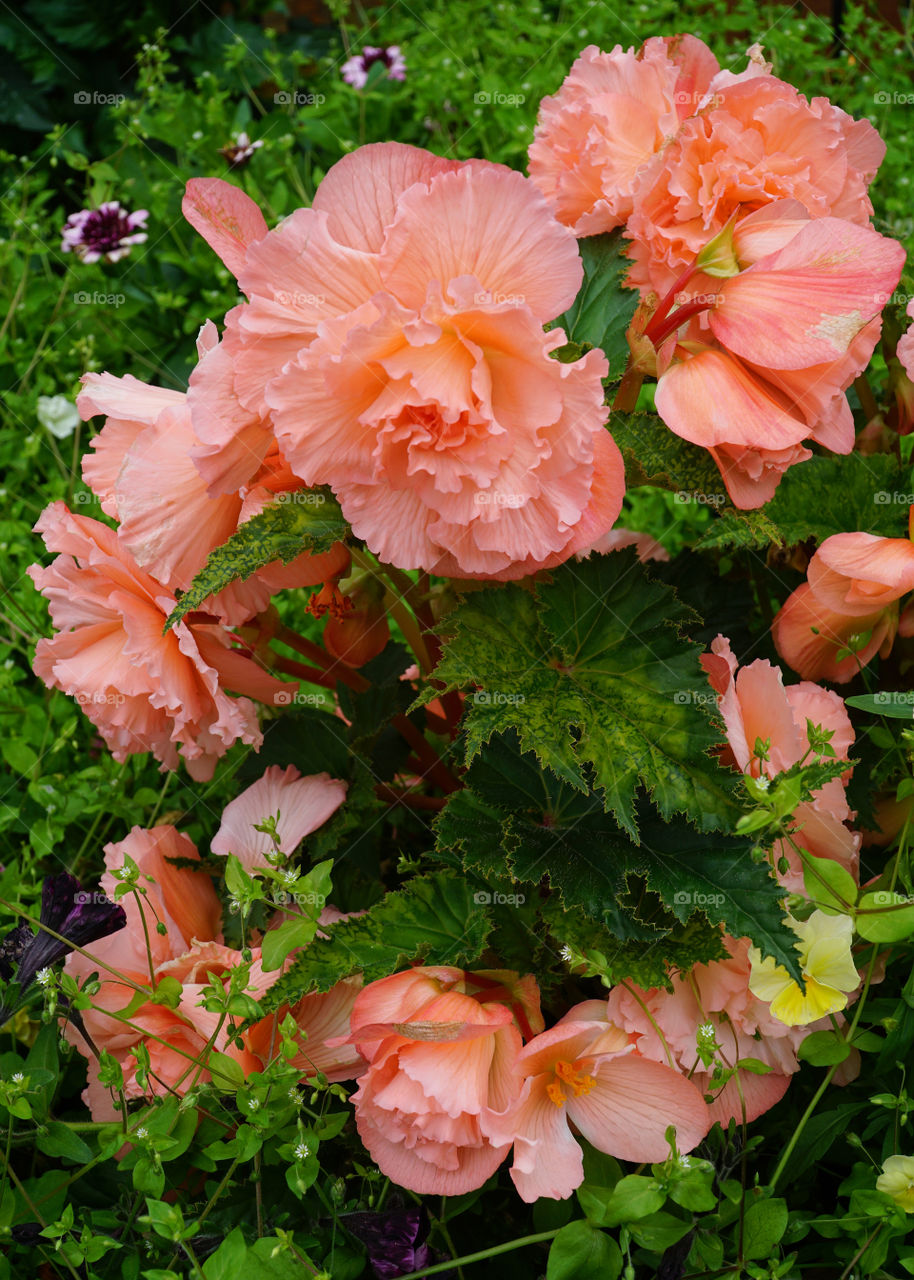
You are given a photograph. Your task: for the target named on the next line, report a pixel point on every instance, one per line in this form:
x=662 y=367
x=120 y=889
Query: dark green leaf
x=581 y=1252
x=591 y=670
x=432 y=919
x=516 y=817
x=603 y=309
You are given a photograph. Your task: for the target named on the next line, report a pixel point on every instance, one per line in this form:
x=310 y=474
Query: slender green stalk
x=485 y=1253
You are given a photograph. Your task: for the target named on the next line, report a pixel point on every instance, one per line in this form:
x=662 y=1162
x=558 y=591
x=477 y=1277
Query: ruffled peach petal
x=360 y=193
x=759 y=1094
x=487 y=222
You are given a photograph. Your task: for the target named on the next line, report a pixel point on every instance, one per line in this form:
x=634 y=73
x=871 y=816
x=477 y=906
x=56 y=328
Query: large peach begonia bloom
x=757 y=143
x=587 y=1072
x=848 y=609
x=612 y=113
x=142 y=689
x=393 y=341
x=441 y=1045
x=755 y=705
x=714 y=1001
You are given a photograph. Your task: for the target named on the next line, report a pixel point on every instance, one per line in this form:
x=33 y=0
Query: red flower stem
x=314 y=676
x=308 y=649
x=433 y=766
x=659 y=335
x=409 y=799
x=663 y=307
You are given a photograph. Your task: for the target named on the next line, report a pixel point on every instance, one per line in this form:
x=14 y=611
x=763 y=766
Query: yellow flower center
x=576 y=1081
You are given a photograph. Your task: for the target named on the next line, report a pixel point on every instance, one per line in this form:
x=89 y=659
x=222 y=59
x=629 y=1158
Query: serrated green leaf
x=591 y=671
x=654 y=454
x=820 y=497
x=432 y=919
x=515 y=817
x=603 y=309
x=309 y=520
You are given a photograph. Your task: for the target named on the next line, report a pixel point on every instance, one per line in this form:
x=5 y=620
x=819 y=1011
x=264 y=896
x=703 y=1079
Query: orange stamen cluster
x=572 y=1079
x=330 y=600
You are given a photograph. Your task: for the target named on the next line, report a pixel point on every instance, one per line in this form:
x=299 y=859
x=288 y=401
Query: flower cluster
x=747 y=210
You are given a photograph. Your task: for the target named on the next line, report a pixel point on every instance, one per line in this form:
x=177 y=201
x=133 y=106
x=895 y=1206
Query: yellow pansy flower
x=897 y=1181
x=827 y=966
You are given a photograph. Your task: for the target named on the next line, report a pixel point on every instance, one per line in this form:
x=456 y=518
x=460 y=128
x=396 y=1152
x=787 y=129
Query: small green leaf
x=830 y=887
x=229 y=1262
x=581 y=1252
x=885 y=917
x=632 y=1198
x=824 y=1049
x=58 y=1140
x=764 y=1224
x=281 y=942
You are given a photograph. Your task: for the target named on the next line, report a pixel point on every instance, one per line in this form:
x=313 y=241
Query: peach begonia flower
x=758 y=143
x=905 y=349
x=144 y=475
x=586 y=1072
x=711 y=1014
x=611 y=114
x=393 y=340
x=755 y=705
x=768 y=353
x=302 y=805
x=847 y=611
x=441 y=1046
x=321 y=1017
x=142 y=689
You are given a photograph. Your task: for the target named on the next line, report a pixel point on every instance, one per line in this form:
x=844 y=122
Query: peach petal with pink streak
x=227 y=219
x=805 y=304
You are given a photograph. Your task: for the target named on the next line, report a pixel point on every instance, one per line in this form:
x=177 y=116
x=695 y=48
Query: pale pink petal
x=633 y=1102
x=304 y=804
x=804 y=304
x=360 y=193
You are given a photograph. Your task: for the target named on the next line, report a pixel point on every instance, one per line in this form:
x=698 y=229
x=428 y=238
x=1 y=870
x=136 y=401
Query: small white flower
x=18 y=1078
x=253 y=1104
x=566 y=953
x=142 y=1133
x=43 y=977
x=302 y=1151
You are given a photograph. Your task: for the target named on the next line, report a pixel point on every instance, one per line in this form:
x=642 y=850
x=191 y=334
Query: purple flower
x=78 y=916
x=355 y=71
x=395 y=1240
x=239 y=150
x=106 y=232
